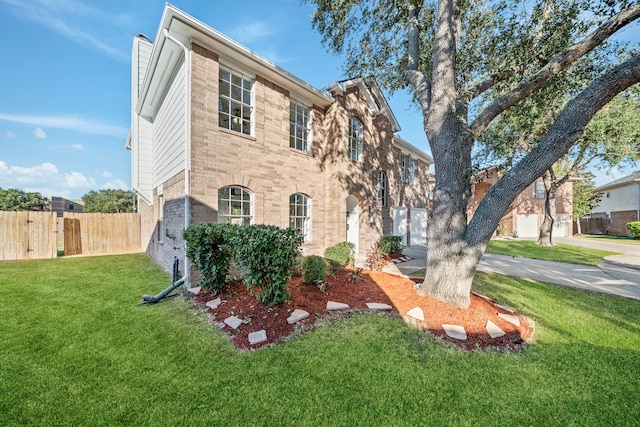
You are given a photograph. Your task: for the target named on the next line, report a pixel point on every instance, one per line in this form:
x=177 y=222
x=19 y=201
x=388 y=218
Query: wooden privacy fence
x=97 y=233
x=27 y=235
x=33 y=235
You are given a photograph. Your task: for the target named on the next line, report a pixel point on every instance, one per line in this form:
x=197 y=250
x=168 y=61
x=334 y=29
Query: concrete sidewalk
x=615 y=275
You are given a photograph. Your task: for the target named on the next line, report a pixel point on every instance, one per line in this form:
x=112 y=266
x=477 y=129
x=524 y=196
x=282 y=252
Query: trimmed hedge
x=268 y=254
x=634 y=229
x=391 y=244
x=341 y=254
x=314 y=269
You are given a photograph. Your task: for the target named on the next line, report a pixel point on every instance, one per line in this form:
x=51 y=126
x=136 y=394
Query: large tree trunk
x=546 y=228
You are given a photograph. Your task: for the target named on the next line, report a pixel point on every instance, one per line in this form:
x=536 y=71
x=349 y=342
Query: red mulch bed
x=374 y=287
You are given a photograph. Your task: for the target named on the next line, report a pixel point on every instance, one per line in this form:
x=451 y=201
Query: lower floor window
x=300 y=214
x=235 y=206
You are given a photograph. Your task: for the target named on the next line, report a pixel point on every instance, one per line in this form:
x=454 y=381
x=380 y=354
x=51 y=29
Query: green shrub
x=341 y=253
x=391 y=244
x=210 y=249
x=314 y=269
x=269 y=254
x=634 y=229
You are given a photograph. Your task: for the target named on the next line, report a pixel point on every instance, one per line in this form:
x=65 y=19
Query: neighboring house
x=61 y=205
x=220 y=134
x=526 y=213
x=620 y=204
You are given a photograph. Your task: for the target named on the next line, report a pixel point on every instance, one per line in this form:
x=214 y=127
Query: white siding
x=141 y=129
x=169 y=132
x=626 y=198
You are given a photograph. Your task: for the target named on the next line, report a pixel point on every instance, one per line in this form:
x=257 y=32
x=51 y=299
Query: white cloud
x=9 y=135
x=116 y=184
x=69 y=123
x=251 y=31
x=78 y=147
x=39 y=133
x=45 y=179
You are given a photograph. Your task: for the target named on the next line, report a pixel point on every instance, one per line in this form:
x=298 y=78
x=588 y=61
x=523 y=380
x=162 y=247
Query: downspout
x=187 y=147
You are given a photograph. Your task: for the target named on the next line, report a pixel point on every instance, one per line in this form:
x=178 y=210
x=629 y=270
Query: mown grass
x=560 y=252
x=77 y=349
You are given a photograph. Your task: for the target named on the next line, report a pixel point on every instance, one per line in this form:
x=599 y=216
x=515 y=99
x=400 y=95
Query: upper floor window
x=235 y=205
x=299 y=126
x=234 y=102
x=300 y=214
x=382 y=188
x=356 y=142
x=412 y=171
x=404 y=167
x=539 y=191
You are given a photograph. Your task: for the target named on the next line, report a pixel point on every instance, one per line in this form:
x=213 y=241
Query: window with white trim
x=356 y=139
x=412 y=171
x=235 y=109
x=235 y=205
x=381 y=186
x=299 y=126
x=539 y=192
x=404 y=167
x=300 y=214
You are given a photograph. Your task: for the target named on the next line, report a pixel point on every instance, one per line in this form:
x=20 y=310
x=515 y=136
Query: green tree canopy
x=109 y=201
x=17 y=200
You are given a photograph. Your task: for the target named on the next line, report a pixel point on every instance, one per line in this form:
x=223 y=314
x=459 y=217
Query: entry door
x=400 y=223
x=353 y=221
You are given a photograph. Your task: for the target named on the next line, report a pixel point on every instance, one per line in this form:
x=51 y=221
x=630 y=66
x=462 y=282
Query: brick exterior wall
x=617 y=223
x=265 y=164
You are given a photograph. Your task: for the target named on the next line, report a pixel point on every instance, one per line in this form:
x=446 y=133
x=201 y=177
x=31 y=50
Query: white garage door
x=400 y=223
x=560 y=226
x=528 y=225
x=418 y=226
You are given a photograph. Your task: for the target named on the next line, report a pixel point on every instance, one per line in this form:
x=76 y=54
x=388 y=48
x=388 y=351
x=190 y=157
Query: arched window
x=300 y=214
x=381 y=186
x=356 y=139
x=235 y=205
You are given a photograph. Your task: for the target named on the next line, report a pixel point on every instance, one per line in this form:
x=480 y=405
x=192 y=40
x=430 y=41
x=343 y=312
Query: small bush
x=355 y=276
x=269 y=254
x=391 y=244
x=210 y=249
x=314 y=269
x=376 y=258
x=634 y=229
x=341 y=253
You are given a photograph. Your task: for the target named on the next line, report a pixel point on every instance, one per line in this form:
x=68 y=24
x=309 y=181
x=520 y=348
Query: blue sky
x=65 y=82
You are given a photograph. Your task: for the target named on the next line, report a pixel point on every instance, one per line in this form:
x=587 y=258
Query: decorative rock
x=510 y=318
x=494 y=330
x=417 y=286
x=194 y=290
x=506 y=308
x=233 y=322
x=416 y=313
x=213 y=304
x=257 y=337
x=397 y=261
x=455 y=331
x=378 y=306
x=296 y=316
x=332 y=306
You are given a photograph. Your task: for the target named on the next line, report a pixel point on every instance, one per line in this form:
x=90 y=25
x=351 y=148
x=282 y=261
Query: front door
x=353 y=221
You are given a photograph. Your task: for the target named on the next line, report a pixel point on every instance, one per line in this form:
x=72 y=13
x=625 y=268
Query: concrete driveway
x=616 y=275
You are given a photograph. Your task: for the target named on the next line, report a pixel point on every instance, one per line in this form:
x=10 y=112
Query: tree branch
x=565 y=131
x=413 y=76
x=555 y=66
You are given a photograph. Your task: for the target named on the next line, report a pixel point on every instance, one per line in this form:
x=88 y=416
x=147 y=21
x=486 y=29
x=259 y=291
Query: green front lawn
x=560 y=252
x=77 y=349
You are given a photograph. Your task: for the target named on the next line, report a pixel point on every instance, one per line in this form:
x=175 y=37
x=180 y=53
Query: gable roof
x=166 y=57
x=629 y=179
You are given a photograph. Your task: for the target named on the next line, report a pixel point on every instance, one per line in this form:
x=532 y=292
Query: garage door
x=560 y=226
x=418 y=226
x=400 y=223
x=528 y=225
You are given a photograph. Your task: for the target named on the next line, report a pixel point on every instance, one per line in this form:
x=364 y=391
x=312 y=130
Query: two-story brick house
x=220 y=134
